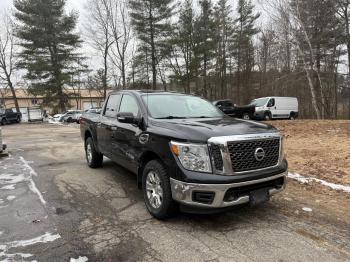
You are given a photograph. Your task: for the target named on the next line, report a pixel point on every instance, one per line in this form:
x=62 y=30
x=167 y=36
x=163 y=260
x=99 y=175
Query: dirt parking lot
x=54 y=208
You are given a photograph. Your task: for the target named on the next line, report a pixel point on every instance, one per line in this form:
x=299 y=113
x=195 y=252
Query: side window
x=129 y=105
x=271 y=103
x=9 y=111
x=112 y=106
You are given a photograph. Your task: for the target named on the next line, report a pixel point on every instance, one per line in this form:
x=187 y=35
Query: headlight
x=194 y=157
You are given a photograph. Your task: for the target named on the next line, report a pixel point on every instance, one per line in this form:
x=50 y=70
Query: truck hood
x=202 y=129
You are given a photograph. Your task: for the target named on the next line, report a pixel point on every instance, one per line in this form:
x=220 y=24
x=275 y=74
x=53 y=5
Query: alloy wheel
x=89 y=152
x=154 y=190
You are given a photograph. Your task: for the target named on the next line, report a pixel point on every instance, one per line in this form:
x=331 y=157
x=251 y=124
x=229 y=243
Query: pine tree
x=205 y=42
x=151 y=21
x=243 y=49
x=180 y=59
x=224 y=39
x=48 y=47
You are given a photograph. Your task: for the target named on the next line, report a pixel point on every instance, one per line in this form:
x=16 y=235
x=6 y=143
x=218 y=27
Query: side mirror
x=126 y=117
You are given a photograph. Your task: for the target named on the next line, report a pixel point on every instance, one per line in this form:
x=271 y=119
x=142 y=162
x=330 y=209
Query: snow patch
x=79 y=259
x=307 y=180
x=307 y=209
x=8 y=187
x=11 y=179
x=32 y=185
x=47 y=237
x=9 y=198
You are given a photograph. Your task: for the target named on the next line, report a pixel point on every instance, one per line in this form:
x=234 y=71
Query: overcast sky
x=79 y=6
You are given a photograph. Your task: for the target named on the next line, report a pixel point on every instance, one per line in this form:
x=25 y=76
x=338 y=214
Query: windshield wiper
x=172 y=117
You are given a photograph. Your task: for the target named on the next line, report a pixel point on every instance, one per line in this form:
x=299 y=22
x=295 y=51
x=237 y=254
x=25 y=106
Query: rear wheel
x=93 y=158
x=246 y=116
x=18 y=119
x=157 y=191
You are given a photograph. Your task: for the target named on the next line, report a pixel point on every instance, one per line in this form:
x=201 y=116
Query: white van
x=274 y=107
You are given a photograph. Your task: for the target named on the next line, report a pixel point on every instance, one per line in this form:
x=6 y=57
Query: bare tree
x=100 y=35
x=7 y=55
x=120 y=29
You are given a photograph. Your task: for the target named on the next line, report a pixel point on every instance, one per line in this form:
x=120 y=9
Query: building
x=80 y=100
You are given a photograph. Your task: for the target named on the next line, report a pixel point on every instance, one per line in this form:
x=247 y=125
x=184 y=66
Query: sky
x=79 y=6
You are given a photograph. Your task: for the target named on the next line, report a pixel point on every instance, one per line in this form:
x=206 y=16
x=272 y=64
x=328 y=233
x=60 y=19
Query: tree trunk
x=153 y=51
x=105 y=73
x=13 y=91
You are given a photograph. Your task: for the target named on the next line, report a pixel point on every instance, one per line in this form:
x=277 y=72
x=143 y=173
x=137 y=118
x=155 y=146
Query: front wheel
x=267 y=116
x=246 y=116
x=157 y=191
x=3 y=121
x=93 y=158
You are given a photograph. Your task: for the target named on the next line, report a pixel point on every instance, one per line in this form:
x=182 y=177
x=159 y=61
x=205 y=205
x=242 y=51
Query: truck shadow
x=235 y=216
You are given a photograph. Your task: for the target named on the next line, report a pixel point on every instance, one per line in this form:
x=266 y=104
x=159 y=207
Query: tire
x=246 y=116
x=156 y=191
x=93 y=158
x=3 y=121
x=69 y=120
x=18 y=120
x=267 y=116
x=292 y=116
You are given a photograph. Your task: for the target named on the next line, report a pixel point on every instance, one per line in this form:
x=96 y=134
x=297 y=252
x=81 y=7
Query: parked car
x=231 y=109
x=185 y=152
x=70 y=116
x=2 y=145
x=94 y=110
x=7 y=116
x=268 y=108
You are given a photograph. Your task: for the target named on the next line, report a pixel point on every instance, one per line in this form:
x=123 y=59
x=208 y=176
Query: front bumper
x=185 y=193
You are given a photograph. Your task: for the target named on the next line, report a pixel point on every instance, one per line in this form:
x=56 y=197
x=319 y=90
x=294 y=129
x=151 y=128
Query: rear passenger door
x=107 y=125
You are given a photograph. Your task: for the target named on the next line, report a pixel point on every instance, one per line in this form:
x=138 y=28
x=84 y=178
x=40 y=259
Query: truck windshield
x=259 y=102
x=171 y=106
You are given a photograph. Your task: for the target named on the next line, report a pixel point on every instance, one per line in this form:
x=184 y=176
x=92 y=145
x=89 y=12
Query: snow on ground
x=79 y=259
x=21 y=175
x=307 y=180
x=32 y=185
x=4 y=248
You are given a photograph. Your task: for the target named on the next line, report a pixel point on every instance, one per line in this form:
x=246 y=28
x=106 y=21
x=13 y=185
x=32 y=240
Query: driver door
x=271 y=105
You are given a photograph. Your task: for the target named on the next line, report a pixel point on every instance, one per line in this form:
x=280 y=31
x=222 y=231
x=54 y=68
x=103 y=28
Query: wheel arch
x=146 y=157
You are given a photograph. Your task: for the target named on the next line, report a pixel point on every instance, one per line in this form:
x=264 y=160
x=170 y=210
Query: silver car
x=71 y=116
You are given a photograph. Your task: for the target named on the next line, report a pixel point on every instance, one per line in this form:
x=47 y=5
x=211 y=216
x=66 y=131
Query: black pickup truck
x=185 y=152
x=229 y=108
x=7 y=115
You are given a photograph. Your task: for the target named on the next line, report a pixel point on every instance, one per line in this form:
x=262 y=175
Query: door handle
x=114 y=128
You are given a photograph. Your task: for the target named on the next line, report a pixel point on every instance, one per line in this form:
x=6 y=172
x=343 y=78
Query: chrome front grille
x=242 y=154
